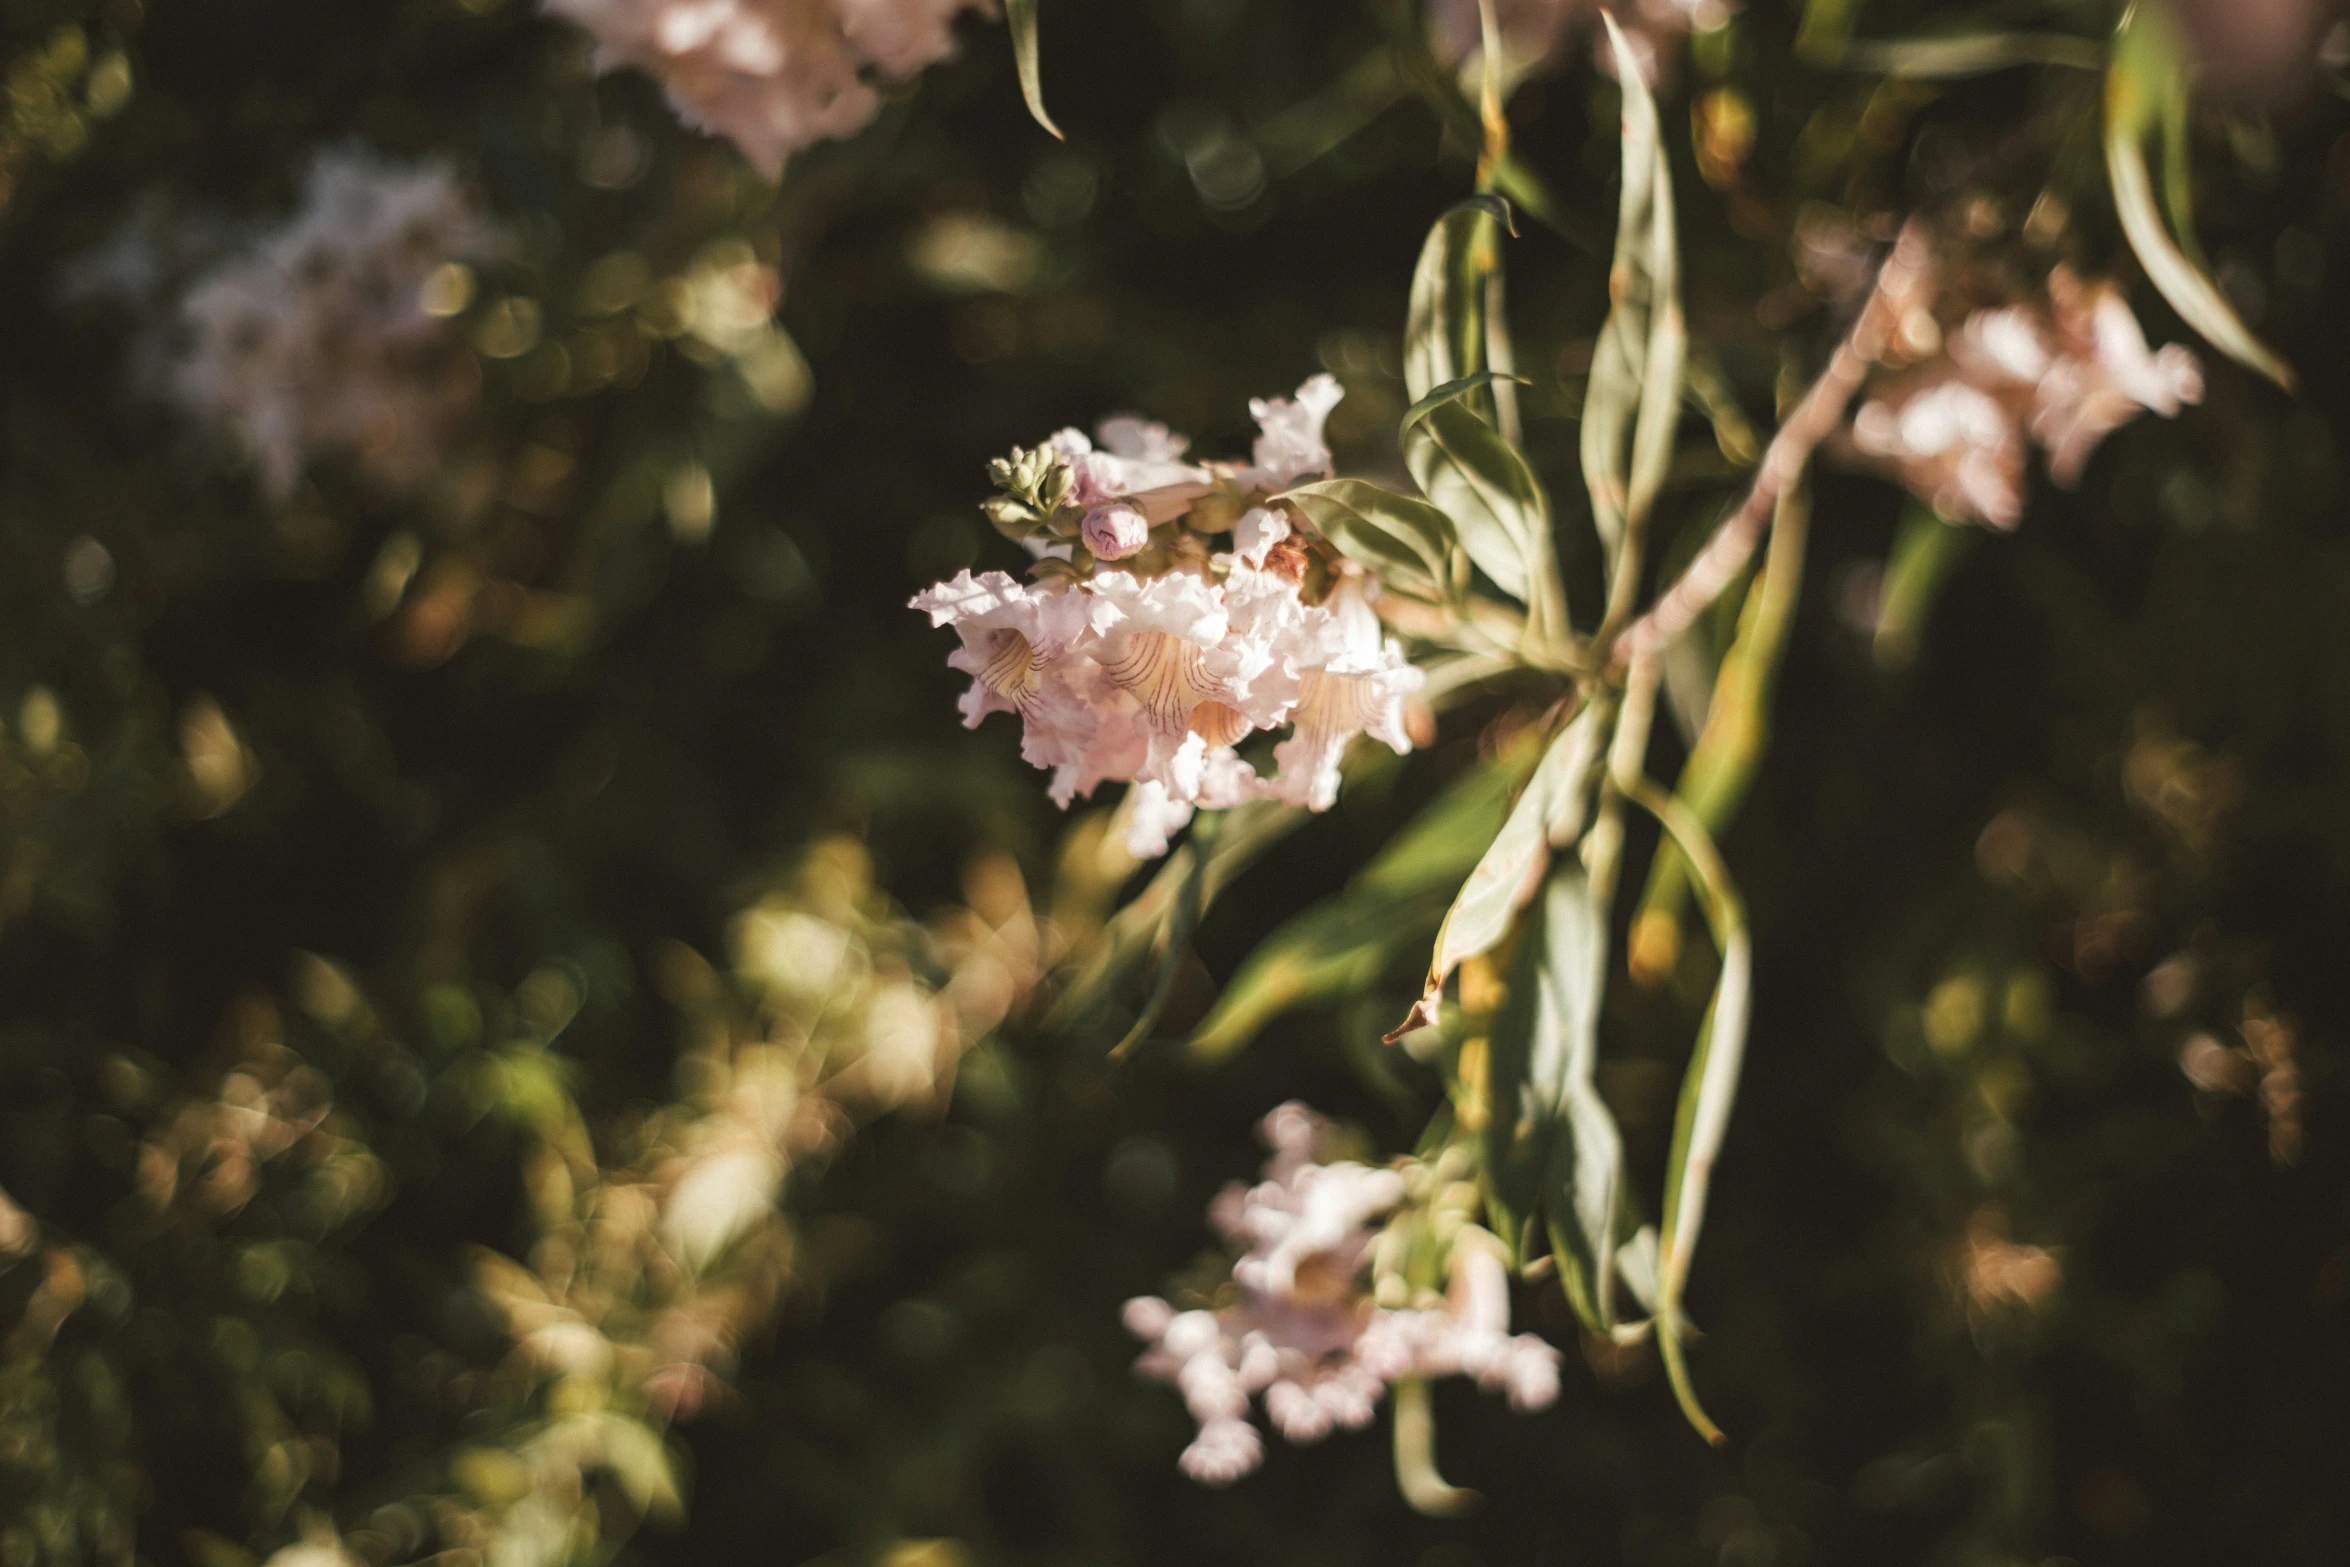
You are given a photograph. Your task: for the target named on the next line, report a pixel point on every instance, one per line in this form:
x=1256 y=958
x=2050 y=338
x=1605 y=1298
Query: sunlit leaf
x=1020 y=16
x=2145 y=75
x=1407 y=542
x=1444 y=324
x=1342 y=945
x=1551 y=1143
x=1632 y=404
x=1729 y=748
x=640 y=1461
x=1454 y=391
x=1549 y=812
x=1484 y=485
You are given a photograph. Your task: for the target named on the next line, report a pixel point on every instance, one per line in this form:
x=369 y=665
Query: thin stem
x=1815 y=418
x=1415 y=1455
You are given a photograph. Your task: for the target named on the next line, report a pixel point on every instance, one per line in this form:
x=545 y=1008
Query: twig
x=1814 y=419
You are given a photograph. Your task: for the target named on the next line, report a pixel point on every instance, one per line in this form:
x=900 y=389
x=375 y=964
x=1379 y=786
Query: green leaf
x=1631 y=406
x=2144 y=85
x=1970 y=54
x=1409 y=543
x=1020 y=16
x=1142 y=925
x=1926 y=550
x=1181 y=924
x=1484 y=485
x=1454 y=391
x=1444 y=325
x=1455 y=345
x=1708 y=1089
x=1549 y=812
x=1551 y=1144
x=1342 y=945
x=1729 y=749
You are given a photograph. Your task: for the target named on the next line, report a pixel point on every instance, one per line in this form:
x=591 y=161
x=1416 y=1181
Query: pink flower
x=1354 y=681
x=1157 y=676
x=2107 y=378
x=1301 y=1332
x=1954 y=444
x=1955 y=429
x=772 y=76
x=1289 y=440
x=1115 y=531
x=1017 y=646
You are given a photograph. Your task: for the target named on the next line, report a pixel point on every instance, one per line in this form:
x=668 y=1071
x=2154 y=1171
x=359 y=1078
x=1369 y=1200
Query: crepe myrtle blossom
x=1179 y=608
x=2063 y=375
x=771 y=76
x=1299 y=1330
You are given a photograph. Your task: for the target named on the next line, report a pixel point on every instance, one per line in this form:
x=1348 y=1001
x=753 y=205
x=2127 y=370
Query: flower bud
x=1114 y=532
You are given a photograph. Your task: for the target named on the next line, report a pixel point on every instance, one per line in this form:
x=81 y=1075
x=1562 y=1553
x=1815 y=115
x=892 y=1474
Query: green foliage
x=404 y=892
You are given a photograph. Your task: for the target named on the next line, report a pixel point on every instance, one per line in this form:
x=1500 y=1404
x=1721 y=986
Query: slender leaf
x=1453 y=391
x=1631 y=406
x=1729 y=749
x=1708 y=1089
x=2146 y=74
x=1484 y=485
x=1409 y=543
x=1020 y=16
x=1549 y=812
x=1444 y=325
x=1181 y=923
x=1926 y=550
x=1342 y=945
x=1551 y=1144
x=1972 y=54
x=1139 y=928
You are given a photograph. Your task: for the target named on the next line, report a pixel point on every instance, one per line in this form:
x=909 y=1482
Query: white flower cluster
x=1302 y=1331
x=1154 y=672
x=771 y=76
x=312 y=337
x=2065 y=376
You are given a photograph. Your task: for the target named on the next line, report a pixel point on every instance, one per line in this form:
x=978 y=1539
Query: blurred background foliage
x=391 y=876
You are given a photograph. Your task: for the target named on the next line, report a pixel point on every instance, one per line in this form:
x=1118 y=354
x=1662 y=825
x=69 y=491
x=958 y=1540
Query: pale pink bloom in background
x=1958 y=447
x=2065 y=376
x=2107 y=378
x=772 y=76
x=312 y=338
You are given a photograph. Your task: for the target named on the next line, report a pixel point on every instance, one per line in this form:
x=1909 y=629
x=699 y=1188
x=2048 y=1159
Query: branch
x=1814 y=419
